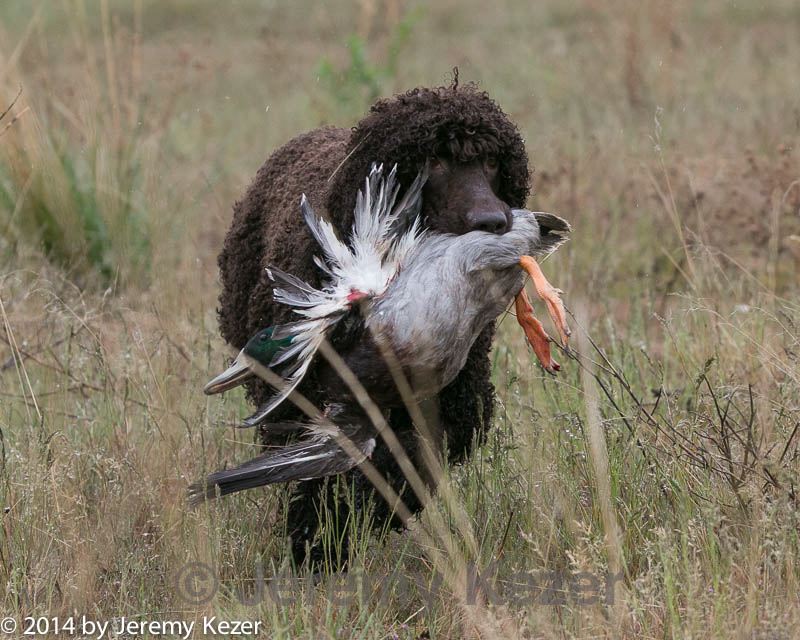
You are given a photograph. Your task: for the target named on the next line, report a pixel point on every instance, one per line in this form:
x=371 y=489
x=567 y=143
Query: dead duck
x=425 y=297
x=385 y=231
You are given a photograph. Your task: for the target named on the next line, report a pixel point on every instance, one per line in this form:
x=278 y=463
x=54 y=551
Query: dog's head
x=477 y=160
x=462 y=196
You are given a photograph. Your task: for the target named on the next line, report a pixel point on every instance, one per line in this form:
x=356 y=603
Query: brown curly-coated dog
x=479 y=171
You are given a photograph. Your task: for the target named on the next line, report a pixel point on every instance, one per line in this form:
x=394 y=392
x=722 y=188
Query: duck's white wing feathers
x=384 y=232
x=380 y=220
x=336 y=252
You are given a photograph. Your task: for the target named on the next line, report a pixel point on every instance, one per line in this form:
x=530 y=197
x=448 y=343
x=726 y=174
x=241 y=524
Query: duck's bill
x=232 y=377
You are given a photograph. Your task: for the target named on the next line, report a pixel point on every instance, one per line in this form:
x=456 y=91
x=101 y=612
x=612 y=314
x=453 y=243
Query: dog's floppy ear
x=554 y=231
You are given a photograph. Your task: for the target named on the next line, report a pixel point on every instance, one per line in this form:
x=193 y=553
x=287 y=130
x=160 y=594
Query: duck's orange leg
x=550 y=295
x=534 y=332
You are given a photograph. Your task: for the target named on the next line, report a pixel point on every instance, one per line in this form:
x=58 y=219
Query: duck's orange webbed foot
x=550 y=295
x=534 y=332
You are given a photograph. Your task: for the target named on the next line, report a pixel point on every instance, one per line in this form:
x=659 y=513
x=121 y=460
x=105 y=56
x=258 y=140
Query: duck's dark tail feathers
x=313 y=458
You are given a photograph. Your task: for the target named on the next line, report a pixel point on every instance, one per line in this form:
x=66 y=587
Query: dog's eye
x=492 y=163
x=436 y=164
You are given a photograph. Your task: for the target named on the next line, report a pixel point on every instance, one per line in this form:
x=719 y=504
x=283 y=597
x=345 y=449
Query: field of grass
x=650 y=491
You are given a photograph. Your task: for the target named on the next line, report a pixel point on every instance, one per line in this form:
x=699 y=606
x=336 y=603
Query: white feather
x=382 y=237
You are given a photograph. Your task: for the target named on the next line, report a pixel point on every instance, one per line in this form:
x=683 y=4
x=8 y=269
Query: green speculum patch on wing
x=263 y=348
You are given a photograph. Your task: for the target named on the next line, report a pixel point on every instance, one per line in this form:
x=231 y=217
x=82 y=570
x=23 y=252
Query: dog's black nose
x=491 y=221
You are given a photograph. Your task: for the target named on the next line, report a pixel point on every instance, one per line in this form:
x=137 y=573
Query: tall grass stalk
x=74 y=172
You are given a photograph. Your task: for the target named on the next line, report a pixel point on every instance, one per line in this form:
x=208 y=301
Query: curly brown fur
x=460 y=125
x=267 y=229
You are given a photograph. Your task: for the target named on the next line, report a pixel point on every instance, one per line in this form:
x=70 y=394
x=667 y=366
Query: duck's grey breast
x=449 y=290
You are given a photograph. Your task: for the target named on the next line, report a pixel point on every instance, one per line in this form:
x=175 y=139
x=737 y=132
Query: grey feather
x=317 y=456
